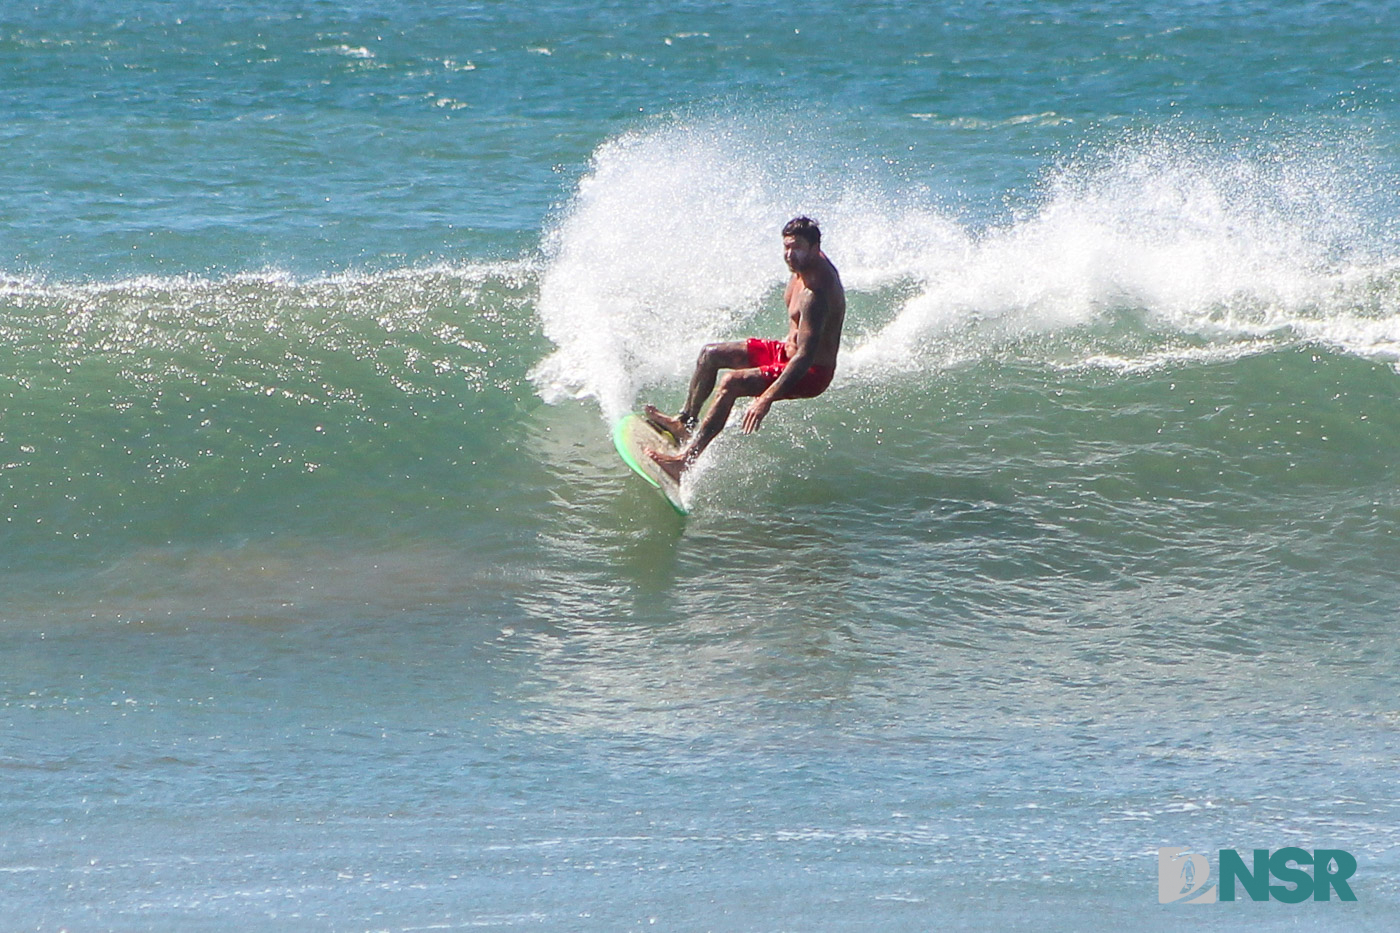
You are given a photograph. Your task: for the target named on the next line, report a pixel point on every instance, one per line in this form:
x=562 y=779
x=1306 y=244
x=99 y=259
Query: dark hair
x=804 y=227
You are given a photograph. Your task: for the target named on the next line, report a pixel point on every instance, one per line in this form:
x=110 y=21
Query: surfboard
x=632 y=435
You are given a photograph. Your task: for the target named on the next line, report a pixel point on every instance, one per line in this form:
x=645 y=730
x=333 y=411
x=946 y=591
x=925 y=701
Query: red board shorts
x=770 y=357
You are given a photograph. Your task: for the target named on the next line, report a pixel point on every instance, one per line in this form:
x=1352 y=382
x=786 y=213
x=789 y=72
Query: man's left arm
x=811 y=320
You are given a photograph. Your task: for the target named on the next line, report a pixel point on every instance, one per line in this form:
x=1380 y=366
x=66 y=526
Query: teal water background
x=326 y=604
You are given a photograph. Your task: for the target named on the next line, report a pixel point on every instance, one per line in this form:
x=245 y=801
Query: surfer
x=801 y=366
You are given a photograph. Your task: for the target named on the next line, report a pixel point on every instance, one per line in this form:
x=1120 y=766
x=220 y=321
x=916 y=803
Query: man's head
x=802 y=242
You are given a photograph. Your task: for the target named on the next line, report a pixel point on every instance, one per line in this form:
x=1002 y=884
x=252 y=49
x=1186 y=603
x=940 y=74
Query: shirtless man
x=766 y=370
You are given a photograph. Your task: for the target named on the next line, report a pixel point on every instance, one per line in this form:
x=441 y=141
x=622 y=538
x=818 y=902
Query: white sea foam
x=671 y=240
x=662 y=247
x=1212 y=245
x=516 y=273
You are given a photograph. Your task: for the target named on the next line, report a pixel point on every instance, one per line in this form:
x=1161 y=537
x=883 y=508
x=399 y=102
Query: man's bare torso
x=829 y=299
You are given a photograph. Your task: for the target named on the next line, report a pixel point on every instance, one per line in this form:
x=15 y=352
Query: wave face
x=163 y=409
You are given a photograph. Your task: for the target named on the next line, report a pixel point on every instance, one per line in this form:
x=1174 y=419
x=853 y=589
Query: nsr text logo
x=1180 y=875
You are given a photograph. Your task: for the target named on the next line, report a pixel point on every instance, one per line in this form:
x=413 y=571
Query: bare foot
x=672 y=426
x=673 y=465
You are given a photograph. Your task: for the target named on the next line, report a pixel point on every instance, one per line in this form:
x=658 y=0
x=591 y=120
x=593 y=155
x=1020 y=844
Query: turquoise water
x=326 y=604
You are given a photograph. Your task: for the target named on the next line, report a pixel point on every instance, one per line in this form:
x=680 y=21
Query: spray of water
x=671 y=240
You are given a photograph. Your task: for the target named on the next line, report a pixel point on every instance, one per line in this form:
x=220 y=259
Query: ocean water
x=325 y=603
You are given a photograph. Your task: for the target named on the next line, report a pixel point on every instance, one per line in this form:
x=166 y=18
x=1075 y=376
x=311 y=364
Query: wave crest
x=671 y=240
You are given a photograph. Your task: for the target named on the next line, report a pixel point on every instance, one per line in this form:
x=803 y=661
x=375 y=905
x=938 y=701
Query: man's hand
x=754 y=416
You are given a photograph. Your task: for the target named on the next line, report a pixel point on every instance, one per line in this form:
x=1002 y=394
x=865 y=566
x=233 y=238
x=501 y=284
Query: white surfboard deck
x=632 y=435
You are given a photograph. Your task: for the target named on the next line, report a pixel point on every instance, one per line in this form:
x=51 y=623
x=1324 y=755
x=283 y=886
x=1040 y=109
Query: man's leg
x=737 y=384
x=733 y=354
